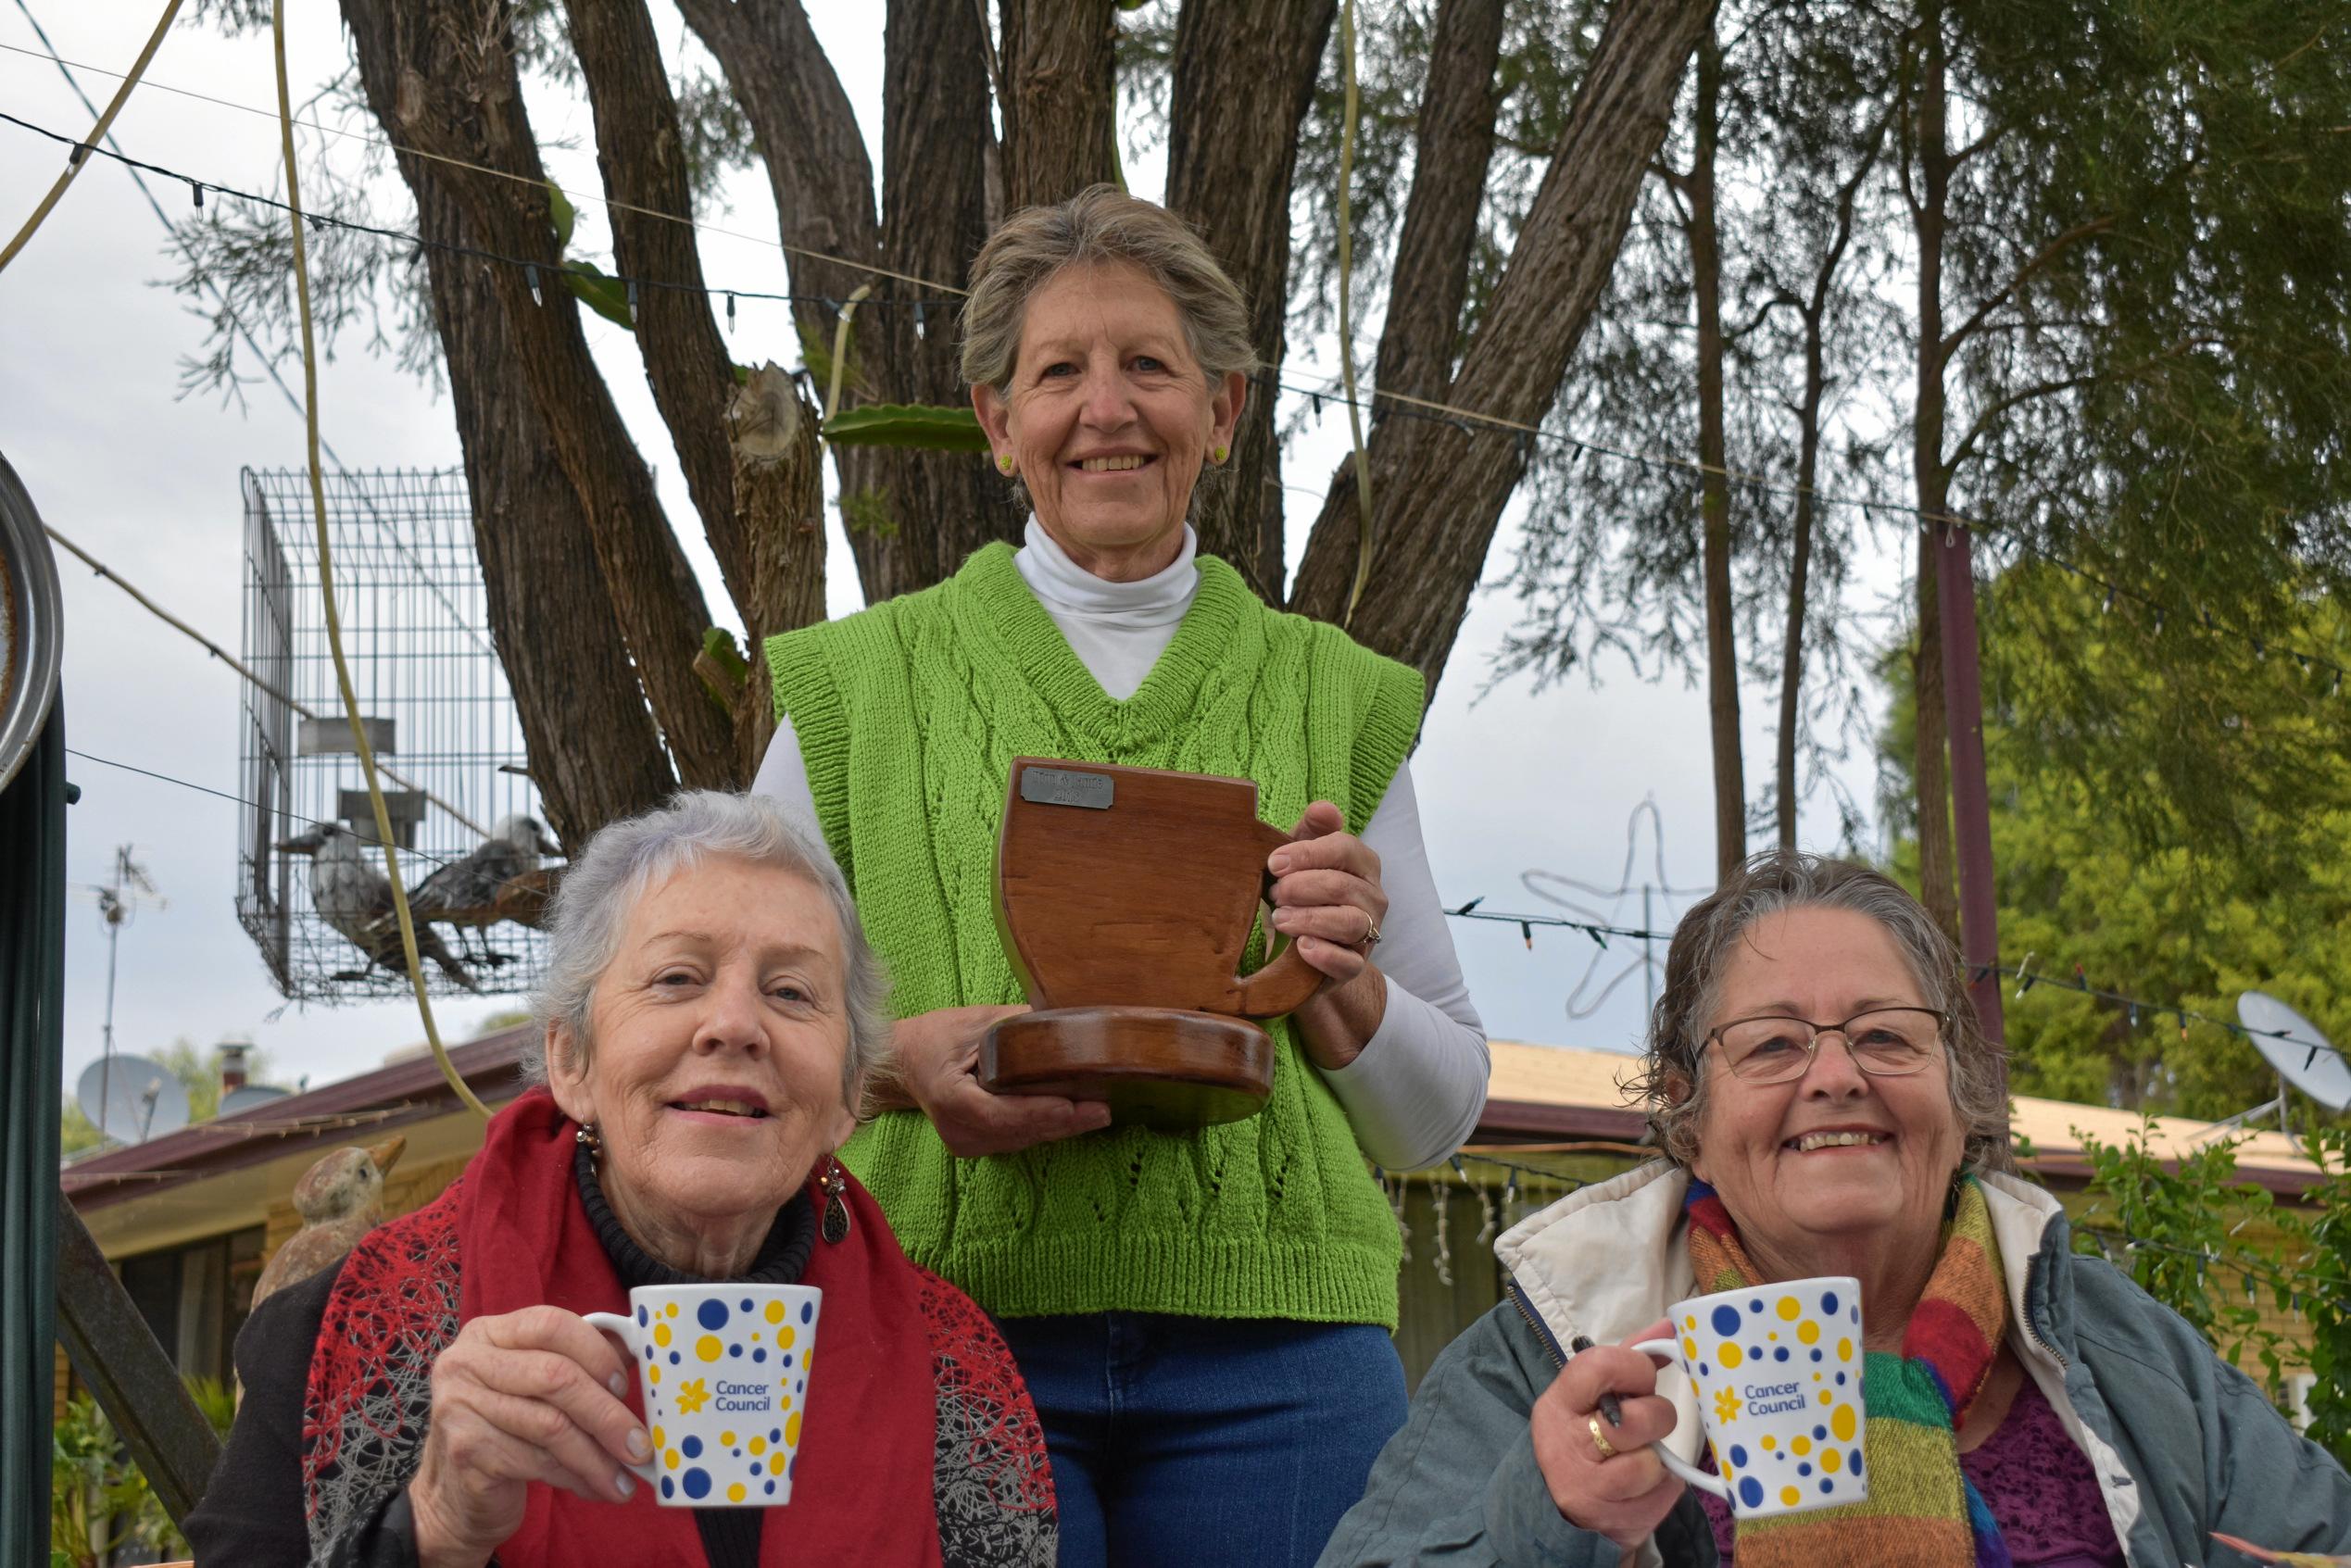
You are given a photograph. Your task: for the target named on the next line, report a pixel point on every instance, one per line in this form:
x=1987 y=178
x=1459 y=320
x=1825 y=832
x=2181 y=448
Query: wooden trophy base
x=1166 y=1068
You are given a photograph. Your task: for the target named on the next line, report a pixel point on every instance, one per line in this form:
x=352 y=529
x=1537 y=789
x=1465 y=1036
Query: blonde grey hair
x=1100 y=224
x=627 y=859
x=1673 y=1081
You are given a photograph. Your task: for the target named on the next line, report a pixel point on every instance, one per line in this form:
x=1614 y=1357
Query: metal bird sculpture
x=469 y=886
x=355 y=899
x=340 y=1199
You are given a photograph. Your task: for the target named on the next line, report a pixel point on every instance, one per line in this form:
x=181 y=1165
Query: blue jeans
x=1206 y=1441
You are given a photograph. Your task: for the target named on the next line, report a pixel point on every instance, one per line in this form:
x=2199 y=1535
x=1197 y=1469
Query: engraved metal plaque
x=1062 y=787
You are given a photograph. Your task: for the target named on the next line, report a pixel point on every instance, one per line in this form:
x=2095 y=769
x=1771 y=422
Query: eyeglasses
x=1883 y=1043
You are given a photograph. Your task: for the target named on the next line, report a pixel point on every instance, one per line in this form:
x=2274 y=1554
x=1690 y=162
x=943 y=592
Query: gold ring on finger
x=1371 y=938
x=1606 y=1449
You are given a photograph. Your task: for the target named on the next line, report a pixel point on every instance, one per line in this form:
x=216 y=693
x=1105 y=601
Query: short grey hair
x=1672 y=1081
x=1100 y=224
x=628 y=857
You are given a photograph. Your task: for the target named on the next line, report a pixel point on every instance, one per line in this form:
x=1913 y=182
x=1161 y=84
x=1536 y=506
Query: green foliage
x=932 y=427
x=2174 y=1229
x=2120 y=860
x=2325 y=1289
x=869 y=512
x=99 y=1503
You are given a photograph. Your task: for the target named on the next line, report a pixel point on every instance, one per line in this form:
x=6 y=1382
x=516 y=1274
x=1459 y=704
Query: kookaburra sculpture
x=340 y=1199
x=355 y=899
x=470 y=884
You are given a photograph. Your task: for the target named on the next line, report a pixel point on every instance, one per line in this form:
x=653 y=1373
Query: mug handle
x=624 y=1330
x=1668 y=1350
x=1288 y=980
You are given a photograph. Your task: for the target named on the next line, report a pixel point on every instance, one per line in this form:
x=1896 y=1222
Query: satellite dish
x=2293 y=1046
x=248 y=1098
x=130 y=1099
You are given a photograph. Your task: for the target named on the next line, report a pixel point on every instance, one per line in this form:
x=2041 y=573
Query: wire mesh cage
x=439 y=716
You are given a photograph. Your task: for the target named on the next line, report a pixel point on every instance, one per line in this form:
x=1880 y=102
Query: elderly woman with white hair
x=711 y=1014
x=1204 y=1319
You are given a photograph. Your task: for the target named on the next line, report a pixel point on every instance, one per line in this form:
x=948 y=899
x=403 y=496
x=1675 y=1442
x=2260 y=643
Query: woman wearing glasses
x=1828 y=1105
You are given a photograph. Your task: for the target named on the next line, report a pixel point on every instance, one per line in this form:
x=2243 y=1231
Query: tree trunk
x=1452 y=145
x=1060 y=98
x=942 y=504
x=1441 y=488
x=551 y=619
x=458 y=97
x=1792 y=655
x=822 y=180
x=642 y=155
x=1243 y=78
x=1931 y=478
x=779 y=485
x=1714 y=503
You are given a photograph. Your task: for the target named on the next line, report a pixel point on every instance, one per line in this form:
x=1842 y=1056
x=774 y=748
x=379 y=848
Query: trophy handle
x=1288 y=980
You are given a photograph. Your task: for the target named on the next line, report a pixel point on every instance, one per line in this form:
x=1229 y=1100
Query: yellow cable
x=840 y=348
x=1346 y=320
x=74 y=163
x=326 y=580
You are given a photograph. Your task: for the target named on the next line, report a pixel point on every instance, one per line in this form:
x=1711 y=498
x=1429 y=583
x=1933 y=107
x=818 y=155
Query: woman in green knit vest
x=1202 y=1319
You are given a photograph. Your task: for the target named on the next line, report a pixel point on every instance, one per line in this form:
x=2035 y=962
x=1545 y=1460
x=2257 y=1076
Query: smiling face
x=1764 y=1147
x=1108 y=418
x=721 y=1032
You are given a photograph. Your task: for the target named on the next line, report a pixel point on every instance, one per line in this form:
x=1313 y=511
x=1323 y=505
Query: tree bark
x=1930 y=477
x=550 y=616
x=1243 y=79
x=1452 y=146
x=458 y=95
x=779 y=485
x=1441 y=486
x=1060 y=99
x=1714 y=493
x=933 y=221
x=642 y=155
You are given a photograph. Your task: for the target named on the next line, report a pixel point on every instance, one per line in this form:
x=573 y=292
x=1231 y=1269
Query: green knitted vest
x=908 y=716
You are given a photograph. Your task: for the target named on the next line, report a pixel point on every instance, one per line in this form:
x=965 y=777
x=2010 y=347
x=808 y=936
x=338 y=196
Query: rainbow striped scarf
x=1922 y=1511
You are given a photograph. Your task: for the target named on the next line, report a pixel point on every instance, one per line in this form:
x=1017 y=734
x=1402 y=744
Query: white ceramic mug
x=723 y=1369
x=1778 y=1369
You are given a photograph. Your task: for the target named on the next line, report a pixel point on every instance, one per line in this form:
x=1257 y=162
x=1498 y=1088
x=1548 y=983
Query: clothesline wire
x=1411 y=407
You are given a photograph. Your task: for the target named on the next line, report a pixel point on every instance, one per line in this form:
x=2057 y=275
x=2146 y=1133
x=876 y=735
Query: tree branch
x=2038 y=259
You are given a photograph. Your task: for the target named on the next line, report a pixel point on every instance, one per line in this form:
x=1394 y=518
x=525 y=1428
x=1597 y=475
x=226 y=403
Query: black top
x=252 y=1512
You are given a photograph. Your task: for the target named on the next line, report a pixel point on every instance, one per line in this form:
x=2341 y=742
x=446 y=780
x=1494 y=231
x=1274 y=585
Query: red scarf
x=863 y=1489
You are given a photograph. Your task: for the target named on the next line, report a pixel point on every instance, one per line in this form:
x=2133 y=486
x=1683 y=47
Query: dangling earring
x=836 y=1215
x=587 y=1137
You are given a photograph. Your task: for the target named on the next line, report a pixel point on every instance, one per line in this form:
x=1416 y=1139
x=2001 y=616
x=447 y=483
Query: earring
x=1220 y=454
x=587 y=1137
x=836 y=1215
x=1004 y=464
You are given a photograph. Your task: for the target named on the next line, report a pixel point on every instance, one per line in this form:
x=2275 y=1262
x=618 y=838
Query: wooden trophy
x=1126 y=897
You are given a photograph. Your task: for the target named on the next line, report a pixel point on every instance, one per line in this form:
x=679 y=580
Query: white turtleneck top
x=1414 y=1092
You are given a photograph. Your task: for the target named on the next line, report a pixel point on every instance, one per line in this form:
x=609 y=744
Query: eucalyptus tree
x=581 y=555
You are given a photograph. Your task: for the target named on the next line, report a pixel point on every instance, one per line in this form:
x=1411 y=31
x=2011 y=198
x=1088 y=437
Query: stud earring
x=1220 y=454
x=1004 y=464
x=587 y=1137
x=836 y=1215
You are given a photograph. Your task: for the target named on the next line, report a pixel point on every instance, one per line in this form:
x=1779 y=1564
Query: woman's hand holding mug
x=529 y=1395
x=1605 y=1478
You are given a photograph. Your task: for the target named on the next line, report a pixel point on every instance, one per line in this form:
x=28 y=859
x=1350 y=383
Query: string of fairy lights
x=1382 y=404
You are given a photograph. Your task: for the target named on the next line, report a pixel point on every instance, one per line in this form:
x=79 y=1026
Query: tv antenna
x=119 y=898
x=130 y=1099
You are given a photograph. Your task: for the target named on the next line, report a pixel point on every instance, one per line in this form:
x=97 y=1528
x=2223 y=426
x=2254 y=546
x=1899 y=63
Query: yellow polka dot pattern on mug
x=725 y=1377
x=1779 y=1370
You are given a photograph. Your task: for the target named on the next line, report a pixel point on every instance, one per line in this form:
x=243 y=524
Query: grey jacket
x=2182 y=1443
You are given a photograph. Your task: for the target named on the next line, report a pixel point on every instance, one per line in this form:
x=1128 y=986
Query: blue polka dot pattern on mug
x=723 y=1415
x=1776 y=1375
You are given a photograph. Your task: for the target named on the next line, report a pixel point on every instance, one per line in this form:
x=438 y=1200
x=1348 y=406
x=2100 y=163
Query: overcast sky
x=147 y=481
